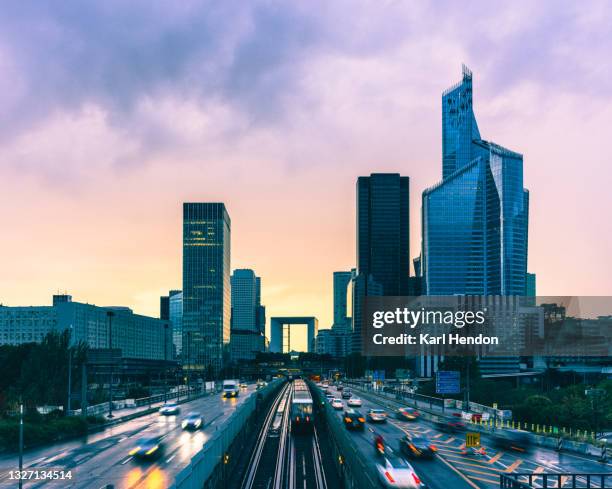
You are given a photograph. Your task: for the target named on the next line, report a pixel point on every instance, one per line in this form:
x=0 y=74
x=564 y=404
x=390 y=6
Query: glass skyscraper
x=475 y=220
x=206 y=285
x=383 y=251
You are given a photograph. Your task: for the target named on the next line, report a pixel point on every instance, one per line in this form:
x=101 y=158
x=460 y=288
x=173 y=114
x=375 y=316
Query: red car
x=407 y=414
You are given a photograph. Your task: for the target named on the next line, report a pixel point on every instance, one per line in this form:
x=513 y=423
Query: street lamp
x=110 y=315
x=69 y=372
x=165 y=364
x=20 y=443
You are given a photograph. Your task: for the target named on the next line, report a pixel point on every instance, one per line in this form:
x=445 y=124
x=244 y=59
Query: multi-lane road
x=451 y=467
x=102 y=459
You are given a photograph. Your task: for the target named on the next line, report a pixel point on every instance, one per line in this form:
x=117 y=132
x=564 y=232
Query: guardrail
x=567 y=481
x=215 y=451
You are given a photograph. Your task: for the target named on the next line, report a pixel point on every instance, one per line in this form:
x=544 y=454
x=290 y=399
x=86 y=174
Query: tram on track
x=302 y=413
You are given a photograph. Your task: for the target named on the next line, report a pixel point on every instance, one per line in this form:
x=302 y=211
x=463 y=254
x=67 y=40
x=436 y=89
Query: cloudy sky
x=114 y=113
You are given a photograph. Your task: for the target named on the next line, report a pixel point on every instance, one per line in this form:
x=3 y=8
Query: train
x=302 y=413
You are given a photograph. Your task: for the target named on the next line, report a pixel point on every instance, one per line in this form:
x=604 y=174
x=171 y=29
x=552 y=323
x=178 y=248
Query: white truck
x=231 y=388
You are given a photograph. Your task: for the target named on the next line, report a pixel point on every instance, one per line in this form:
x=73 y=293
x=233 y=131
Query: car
x=170 y=409
x=407 y=414
x=513 y=439
x=260 y=384
x=353 y=420
x=193 y=421
x=450 y=426
x=377 y=416
x=339 y=388
x=417 y=446
x=394 y=471
x=243 y=385
x=354 y=402
x=346 y=394
x=147 y=447
x=329 y=396
x=337 y=403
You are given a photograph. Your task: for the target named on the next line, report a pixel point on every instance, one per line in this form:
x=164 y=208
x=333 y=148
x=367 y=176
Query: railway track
x=282 y=459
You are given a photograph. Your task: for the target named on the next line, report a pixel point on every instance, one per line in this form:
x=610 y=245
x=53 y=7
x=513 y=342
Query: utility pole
x=165 y=364
x=110 y=315
x=69 y=372
x=20 y=443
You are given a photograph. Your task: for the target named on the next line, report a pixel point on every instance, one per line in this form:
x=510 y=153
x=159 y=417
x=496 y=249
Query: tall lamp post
x=69 y=372
x=20 y=443
x=110 y=315
x=165 y=364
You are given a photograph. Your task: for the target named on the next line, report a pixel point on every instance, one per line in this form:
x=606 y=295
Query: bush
x=38 y=433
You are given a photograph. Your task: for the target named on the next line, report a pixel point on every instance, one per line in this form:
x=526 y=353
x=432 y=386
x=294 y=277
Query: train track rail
x=267 y=467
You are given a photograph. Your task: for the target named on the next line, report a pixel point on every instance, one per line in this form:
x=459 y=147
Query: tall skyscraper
x=206 y=285
x=175 y=314
x=475 y=220
x=245 y=299
x=248 y=315
x=341 y=283
x=383 y=252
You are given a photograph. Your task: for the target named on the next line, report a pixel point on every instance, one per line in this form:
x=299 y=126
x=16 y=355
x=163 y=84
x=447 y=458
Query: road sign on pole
x=448 y=382
x=472 y=440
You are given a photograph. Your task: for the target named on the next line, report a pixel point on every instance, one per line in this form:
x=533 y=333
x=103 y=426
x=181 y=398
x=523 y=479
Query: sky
x=115 y=113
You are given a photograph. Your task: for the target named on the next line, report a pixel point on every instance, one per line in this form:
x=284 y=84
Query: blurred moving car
x=377 y=416
x=147 y=447
x=243 y=385
x=512 y=439
x=407 y=414
x=450 y=426
x=193 y=421
x=417 y=446
x=394 y=471
x=346 y=394
x=260 y=384
x=339 y=388
x=329 y=396
x=170 y=409
x=353 y=420
x=230 y=388
x=354 y=402
x=337 y=403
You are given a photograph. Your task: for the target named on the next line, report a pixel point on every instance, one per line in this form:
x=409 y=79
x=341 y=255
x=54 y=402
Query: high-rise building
x=248 y=316
x=475 y=220
x=206 y=285
x=164 y=307
x=175 y=315
x=383 y=252
x=530 y=285
x=341 y=283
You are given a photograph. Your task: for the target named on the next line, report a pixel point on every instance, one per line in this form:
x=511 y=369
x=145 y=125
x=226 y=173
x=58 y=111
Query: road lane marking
x=475 y=463
x=495 y=458
x=489 y=481
x=126 y=460
x=515 y=465
x=170 y=459
x=437 y=436
x=457 y=471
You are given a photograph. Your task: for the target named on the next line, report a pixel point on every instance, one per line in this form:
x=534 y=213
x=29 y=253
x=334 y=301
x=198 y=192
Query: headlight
x=134 y=451
x=184 y=424
x=198 y=423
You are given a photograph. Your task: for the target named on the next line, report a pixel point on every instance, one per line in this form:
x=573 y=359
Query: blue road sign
x=448 y=382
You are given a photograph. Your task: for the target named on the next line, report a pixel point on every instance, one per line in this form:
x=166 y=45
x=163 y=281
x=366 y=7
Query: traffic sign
x=448 y=382
x=472 y=440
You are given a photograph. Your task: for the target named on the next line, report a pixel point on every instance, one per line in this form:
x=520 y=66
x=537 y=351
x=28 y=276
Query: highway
x=103 y=458
x=450 y=467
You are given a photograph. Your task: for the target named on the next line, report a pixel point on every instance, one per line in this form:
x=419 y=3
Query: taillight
x=297 y=419
x=361 y=420
x=308 y=419
x=391 y=479
x=416 y=478
x=433 y=448
x=347 y=420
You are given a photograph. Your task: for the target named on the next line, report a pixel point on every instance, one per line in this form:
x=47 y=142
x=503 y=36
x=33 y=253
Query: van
x=231 y=388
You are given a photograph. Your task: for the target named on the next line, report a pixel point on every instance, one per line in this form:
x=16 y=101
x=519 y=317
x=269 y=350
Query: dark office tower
x=475 y=220
x=383 y=232
x=164 y=307
x=206 y=285
x=341 y=283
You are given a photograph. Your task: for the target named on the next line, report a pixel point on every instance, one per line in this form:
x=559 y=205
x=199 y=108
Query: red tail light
x=297 y=419
x=308 y=419
x=416 y=478
x=391 y=479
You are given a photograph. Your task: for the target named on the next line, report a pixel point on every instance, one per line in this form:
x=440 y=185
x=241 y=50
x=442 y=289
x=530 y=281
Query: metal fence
x=216 y=450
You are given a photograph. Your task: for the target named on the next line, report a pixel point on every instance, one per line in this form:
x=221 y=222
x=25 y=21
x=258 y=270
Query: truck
x=231 y=388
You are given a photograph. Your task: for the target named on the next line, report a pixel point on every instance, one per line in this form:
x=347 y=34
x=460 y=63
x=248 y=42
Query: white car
x=394 y=471
x=169 y=409
x=354 y=402
x=337 y=403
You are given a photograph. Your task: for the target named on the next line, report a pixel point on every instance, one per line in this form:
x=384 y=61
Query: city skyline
x=137 y=152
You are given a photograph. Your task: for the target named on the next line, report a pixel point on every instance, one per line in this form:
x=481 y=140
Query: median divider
x=355 y=469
